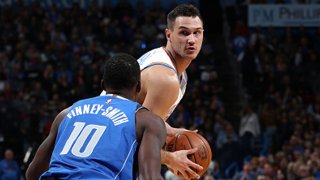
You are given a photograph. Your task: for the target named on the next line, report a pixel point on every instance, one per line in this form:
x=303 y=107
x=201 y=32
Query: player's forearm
x=38 y=165
x=165 y=157
x=170 y=130
x=151 y=174
x=149 y=171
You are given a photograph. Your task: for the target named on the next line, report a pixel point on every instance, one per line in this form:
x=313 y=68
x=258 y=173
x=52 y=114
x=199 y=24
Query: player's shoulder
x=153 y=53
x=160 y=76
x=160 y=72
x=144 y=116
x=155 y=57
x=145 y=112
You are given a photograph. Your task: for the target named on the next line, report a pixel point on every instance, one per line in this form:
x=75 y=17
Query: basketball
x=189 y=140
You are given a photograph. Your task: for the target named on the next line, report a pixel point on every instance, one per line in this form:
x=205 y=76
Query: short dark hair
x=187 y=10
x=121 y=71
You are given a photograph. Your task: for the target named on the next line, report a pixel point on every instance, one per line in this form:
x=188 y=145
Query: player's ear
x=138 y=88
x=168 y=33
x=102 y=84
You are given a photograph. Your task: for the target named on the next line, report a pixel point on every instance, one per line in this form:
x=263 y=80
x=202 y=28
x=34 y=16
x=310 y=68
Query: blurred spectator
x=268 y=120
x=227 y=141
x=226 y=135
x=269 y=171
x=214 y=170
x=9 y=168
x=249 y=129
x=246 y=173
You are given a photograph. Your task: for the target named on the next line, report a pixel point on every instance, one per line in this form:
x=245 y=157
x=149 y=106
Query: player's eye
x=185 y=33
x=197 y=33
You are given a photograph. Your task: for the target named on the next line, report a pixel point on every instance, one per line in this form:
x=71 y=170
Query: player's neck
x=123 y=93
x=180 y=64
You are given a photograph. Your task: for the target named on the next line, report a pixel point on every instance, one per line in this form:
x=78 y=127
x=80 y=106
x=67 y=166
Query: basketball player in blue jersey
x=164 y=78
x=98 y=138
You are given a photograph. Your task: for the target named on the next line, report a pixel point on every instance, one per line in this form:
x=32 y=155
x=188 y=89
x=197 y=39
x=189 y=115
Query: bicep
x=154 y=130
x=151 y=142
x=161 y=93
x=43 y=154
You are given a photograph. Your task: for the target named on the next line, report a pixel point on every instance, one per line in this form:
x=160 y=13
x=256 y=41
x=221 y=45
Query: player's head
x=121 y=75
x=184 y=31
x=9 y=155
x=182 y=10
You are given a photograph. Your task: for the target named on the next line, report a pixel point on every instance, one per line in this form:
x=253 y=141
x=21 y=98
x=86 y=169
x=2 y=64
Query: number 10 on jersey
x=79 y=136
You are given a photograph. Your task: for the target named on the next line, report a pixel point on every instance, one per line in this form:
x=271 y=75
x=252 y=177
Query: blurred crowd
x=279 y=127
x=50 y=58
x=280 y=123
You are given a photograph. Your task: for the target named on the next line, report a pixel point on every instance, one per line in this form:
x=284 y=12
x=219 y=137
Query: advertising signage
x=284 y=15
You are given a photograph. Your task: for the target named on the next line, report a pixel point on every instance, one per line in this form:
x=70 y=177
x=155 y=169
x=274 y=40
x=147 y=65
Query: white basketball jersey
x=161 y=56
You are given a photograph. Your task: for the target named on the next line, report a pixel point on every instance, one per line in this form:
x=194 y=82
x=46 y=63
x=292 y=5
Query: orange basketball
x=189 y=140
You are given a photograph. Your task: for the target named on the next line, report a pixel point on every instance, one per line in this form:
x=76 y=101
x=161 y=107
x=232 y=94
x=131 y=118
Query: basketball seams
x=205 y=144
x=189 y=140
x=202 y=144
x=191 y=147
x=190 y=143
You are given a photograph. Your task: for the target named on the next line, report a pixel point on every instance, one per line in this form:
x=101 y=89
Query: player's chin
x=191 y=56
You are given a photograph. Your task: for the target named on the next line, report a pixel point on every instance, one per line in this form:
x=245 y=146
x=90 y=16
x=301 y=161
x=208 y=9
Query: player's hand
x=171 y=131
x=183 y=167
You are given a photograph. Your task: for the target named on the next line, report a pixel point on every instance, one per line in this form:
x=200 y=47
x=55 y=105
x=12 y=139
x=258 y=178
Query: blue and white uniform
x=96 y=140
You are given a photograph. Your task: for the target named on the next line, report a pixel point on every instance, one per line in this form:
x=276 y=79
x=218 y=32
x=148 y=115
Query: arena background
x=259 y=64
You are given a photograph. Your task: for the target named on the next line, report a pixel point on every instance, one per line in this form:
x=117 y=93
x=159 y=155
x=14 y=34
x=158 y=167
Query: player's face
x=187 y=36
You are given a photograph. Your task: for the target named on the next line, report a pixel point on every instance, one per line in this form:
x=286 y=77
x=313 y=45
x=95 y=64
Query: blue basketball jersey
x=96 y=140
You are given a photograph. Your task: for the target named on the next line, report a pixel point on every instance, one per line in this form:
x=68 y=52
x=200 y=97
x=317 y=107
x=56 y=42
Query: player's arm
x=161 y=88
x=41 y=160
x=151 y=133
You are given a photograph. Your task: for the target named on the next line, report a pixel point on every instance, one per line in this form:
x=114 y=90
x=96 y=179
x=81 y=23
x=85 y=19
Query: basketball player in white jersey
x=163 y=78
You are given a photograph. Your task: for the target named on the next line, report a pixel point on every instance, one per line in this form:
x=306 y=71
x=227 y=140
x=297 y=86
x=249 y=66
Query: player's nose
x=191 y=39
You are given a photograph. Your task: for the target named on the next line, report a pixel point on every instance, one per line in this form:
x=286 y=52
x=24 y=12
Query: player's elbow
x=34 y=171
x=30 y=174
